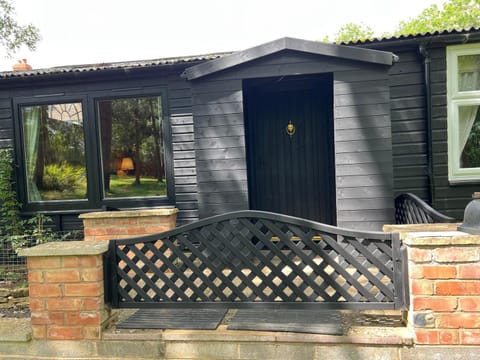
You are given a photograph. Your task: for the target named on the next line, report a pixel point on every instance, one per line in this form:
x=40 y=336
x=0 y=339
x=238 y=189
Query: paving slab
x=15 y=330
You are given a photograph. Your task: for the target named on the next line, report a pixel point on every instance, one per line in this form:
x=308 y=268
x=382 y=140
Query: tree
x=454 y=14
x=351 y=31
x=13 y=35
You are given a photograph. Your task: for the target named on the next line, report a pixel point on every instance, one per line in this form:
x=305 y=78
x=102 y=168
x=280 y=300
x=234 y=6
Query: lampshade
x=127 y=164
x=471 y=219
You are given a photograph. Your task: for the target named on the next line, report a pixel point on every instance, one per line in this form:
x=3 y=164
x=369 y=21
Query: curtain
x=31 y=133
x=467 y=115
x=467 y=81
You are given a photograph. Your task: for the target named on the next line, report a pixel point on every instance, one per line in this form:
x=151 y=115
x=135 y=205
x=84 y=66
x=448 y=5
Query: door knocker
x=290 y=129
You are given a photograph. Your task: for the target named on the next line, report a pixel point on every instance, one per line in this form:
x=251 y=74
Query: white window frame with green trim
x=463 y=101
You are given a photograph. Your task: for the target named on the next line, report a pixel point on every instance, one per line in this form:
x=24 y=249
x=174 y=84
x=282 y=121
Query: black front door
x=289 y=135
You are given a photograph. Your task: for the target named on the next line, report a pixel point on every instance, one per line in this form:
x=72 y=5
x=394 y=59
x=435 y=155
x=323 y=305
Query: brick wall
x=108 y=225
x=65 y=279
x=66 y=290
x=444 y=271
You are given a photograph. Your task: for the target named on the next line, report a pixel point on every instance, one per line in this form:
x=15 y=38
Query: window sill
x=460 y=182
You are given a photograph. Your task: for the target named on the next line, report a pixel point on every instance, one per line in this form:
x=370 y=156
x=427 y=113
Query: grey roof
x=111 y=66
x=286 y=43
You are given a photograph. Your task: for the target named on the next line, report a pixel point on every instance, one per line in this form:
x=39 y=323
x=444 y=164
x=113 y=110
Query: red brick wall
x=66 y=291
x=444 y=288
x=123 y=224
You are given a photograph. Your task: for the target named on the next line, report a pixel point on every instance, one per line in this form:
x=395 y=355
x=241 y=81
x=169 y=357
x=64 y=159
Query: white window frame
x=455 y=99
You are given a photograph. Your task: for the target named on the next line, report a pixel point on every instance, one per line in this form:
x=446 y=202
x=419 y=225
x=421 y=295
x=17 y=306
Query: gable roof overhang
x=286 y=43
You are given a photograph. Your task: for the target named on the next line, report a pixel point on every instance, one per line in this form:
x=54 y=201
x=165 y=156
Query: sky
x=97 y=31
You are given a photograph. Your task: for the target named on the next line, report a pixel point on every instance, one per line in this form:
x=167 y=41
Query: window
x=463 y=92
x=132 y=147
x=93 y=151
x=54 y=151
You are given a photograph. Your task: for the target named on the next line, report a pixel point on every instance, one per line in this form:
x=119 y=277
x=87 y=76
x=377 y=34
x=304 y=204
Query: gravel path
x=15 y=312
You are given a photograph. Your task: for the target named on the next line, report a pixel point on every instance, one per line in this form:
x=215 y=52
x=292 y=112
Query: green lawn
x=78 y=192
x=123 y=186
x=120 y=186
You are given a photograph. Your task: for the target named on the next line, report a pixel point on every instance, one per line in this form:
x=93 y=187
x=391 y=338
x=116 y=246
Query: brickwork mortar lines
x=445 y=293
x=66 y=279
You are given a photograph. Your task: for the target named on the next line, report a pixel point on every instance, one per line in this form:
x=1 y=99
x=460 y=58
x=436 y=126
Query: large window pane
x=54 y=149
x=469 y=136
x=469 y=72
x=132 y=147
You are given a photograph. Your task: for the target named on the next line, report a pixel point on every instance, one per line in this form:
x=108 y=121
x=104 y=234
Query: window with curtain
x=54 y=151
x=463 y=93
x=106 y=149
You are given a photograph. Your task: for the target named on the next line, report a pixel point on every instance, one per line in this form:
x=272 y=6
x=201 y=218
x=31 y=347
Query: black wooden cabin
x=326 y=132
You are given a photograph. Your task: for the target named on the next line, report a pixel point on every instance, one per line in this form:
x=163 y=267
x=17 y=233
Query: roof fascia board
x=234 y=59
x=342 y=51
x=313 y=47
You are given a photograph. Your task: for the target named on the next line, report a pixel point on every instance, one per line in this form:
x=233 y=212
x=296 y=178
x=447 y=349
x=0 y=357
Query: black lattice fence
x=13 y=267
x=256 y=258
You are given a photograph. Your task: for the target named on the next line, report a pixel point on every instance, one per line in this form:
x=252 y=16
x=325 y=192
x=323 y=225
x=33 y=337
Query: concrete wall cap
x=129 y=213
x=410 y=228
x=440 y=238
x=67 y=248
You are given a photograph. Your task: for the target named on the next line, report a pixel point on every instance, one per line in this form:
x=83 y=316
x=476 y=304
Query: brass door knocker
x=290 y=129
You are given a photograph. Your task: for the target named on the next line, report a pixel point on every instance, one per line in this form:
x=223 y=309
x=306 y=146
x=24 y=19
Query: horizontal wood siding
x=220 y=146
x=409 y=125
x=6 y=123
x=363 y=148
x=409 y=129
x=179 y=110
x=184 y=163
x=362 y=133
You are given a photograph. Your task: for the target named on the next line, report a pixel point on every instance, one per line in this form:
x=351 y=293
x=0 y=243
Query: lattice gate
x=253 y=258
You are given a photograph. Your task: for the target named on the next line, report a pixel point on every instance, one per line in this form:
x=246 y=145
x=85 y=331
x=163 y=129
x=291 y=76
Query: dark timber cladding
x=420 y=157
x=448 y=198
x=179 y=111
x=363 y=148
x=409 y=128
x=361 y=121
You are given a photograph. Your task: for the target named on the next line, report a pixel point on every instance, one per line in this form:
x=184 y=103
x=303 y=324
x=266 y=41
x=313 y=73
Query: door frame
x=292 y=83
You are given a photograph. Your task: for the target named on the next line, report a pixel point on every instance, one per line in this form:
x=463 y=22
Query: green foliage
x=13 y=35
x=63 y=177
x=471 y=152
x=65 y=142
x=455 y=14
x=352 y=32
x=15 y=231
x=10 y=222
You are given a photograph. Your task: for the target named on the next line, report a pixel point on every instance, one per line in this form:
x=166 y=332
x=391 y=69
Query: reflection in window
x=469 y=136
x=132 y=147
x=54 y=149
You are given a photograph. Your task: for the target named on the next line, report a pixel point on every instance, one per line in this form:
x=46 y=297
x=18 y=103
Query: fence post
x=66 y=288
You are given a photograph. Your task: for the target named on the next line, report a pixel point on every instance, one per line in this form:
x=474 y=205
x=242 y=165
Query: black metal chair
x=410 y=209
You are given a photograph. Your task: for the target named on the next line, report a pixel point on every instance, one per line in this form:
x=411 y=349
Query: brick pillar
x=444 y=271
x=66 y=290
x=107 y=225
